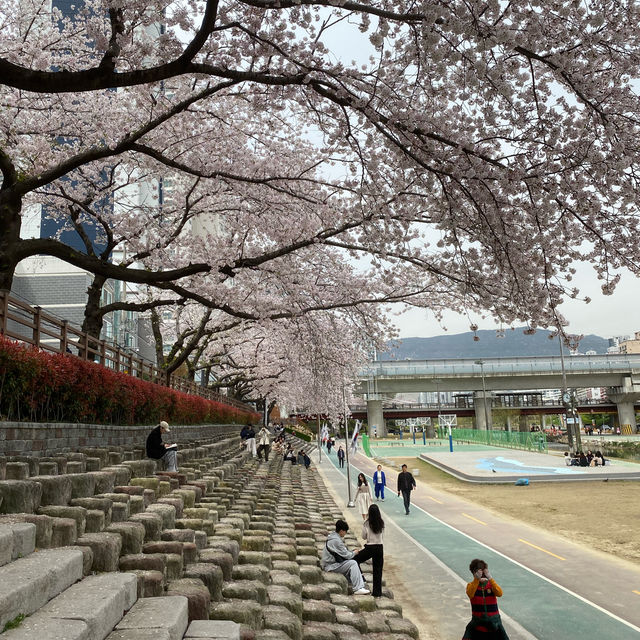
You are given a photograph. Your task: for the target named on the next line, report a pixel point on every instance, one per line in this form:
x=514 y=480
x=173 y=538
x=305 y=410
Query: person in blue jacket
x=379 y=483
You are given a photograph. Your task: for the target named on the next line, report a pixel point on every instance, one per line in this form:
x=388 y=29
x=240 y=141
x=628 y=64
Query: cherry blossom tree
x=468 y=162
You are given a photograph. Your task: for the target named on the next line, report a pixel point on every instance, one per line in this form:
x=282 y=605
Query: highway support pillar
x=375 y=419
x=482 y=407
x=626 y=416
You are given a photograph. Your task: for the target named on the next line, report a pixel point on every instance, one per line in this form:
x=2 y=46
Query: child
x=485 y=618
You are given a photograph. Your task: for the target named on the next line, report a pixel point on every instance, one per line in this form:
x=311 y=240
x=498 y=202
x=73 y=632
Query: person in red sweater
x=483 y=592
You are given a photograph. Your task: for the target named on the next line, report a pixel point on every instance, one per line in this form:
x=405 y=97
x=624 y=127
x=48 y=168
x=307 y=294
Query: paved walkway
x=553 y=588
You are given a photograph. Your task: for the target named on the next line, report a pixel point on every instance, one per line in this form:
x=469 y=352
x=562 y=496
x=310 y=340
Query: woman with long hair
x=372 y=533
x=363 y=496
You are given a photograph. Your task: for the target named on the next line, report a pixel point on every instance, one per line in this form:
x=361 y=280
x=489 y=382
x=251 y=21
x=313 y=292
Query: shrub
x=43 y=387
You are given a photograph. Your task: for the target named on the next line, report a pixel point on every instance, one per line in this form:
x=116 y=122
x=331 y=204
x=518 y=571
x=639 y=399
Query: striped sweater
x=483 y=596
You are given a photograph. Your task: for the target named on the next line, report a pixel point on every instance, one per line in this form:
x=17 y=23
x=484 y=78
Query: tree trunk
x=157 y=338
x=10 y=224
x=93 y=319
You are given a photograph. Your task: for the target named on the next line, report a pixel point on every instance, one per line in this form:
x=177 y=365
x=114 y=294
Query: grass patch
x=15 y=623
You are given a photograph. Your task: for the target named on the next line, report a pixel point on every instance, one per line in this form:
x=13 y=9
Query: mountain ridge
x=487 y=345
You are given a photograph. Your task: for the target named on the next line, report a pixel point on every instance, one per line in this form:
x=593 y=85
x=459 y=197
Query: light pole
x=350 y=503
x=566 y=397
x=484 y=394
x=437 y=382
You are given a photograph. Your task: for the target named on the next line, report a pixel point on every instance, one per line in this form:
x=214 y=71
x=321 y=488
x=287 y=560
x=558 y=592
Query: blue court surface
x=487 y=464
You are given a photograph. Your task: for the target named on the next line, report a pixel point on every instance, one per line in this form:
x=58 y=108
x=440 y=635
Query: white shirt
x=369 y=536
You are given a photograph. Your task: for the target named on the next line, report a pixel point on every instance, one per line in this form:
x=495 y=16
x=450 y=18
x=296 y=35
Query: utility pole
x=566 y=398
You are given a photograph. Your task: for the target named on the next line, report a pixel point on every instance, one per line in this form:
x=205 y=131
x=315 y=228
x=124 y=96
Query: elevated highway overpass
x=619 y=373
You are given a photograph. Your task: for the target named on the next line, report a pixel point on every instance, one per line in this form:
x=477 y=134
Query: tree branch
x=57 y=249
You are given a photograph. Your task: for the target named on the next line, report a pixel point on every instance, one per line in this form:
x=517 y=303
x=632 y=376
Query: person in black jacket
x=158 y=450
x=406 y=484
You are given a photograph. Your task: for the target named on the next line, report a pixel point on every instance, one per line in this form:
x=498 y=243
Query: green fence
x=531 y=441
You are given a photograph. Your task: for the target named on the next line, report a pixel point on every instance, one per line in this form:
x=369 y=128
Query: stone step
x=213 y=630
x=16 y=541
x=29 y=583
x=164 y=618
x=89 y=609
x=19 y=496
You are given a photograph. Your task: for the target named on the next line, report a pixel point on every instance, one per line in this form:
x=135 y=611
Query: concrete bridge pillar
x=522 y=423
x=624 y=397
x=480 y=404
x=626 y=415
x=375 y=418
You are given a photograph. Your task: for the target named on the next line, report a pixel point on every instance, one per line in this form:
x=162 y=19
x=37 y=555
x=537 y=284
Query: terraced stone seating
x=226 y=548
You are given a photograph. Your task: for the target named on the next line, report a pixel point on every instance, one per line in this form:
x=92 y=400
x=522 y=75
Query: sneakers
x=361 y=592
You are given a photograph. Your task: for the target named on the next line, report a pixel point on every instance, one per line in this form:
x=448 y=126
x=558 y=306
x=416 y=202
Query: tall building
x=631 y=345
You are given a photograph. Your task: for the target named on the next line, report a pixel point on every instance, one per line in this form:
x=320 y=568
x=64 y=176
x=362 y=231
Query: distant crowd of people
x=582 y=459
x=271 y=438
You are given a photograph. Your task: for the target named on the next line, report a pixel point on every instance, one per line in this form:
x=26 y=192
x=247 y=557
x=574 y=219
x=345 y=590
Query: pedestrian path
x=553 y=589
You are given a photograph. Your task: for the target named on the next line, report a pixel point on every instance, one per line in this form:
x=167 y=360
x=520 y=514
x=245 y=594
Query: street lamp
x=484 y=394
x=569 y=401
x=350 y=503
x=437 y=383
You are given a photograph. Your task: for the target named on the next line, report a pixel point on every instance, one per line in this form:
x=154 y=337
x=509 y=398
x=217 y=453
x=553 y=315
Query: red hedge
x=45 y=387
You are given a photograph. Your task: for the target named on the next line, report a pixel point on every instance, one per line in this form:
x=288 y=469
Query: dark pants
x=265 y=448
x=473 y=633
x=341 y=461
x=406 y=496
x=375 y=553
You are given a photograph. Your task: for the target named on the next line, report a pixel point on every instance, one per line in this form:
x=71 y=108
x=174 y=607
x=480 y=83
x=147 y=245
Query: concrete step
x=29 y=583
x=16 y=541
x=164 y=618
x=88 y=610
x=213 y=630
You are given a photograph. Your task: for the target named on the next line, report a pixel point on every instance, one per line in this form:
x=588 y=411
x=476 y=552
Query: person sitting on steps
x=337 y=558
x=158 y=450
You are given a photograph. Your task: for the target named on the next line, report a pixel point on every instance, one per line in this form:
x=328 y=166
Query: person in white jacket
x=264 y=443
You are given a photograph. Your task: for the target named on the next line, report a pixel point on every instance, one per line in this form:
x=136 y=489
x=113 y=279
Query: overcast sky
x=605 y=316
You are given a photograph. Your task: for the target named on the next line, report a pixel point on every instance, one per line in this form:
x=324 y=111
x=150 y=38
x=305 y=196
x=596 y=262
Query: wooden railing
x=31 y=325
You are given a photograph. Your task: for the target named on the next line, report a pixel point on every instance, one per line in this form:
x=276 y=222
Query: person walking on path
x=406 y=484
x=363 y=496
x=341 y=457
x=158 y=450
x=379 y=483
x=264 y=443
x=372 y=533
x=483 y=592
x=329 y=445
x=338 y=559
